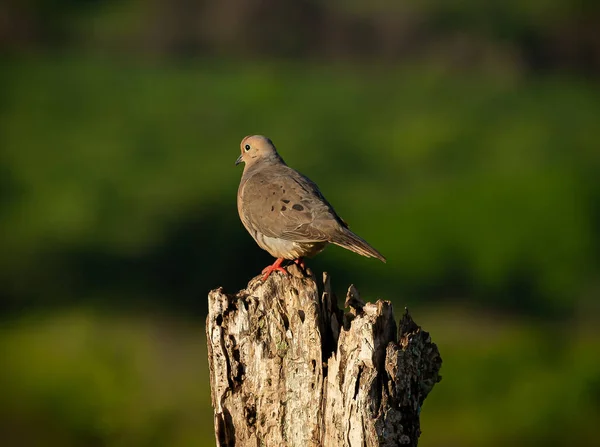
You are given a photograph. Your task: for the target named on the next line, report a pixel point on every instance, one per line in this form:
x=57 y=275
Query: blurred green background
x=459 y=138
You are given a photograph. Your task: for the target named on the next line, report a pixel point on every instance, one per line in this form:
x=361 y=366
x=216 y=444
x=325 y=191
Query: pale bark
x=288 y=368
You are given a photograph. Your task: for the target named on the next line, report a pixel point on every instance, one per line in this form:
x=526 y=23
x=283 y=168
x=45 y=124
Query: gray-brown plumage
x=285 y=212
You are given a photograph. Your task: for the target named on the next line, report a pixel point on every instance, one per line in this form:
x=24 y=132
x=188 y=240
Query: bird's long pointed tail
x=350 y=241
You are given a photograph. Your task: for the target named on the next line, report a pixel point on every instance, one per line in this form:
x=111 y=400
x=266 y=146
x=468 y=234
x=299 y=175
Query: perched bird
x=285 y=212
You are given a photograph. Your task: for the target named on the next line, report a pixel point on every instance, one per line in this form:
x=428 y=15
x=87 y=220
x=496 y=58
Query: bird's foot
x=300 y=263
x=276 y=267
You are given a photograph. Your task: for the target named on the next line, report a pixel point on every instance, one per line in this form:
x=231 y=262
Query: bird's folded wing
x=287 y=206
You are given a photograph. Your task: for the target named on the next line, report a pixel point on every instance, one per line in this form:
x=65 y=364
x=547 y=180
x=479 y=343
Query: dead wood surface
x=288 y=368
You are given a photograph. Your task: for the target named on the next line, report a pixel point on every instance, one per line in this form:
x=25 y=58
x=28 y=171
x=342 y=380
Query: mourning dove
x=285 y=212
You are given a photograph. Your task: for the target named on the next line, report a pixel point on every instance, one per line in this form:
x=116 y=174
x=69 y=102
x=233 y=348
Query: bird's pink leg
x=300 y=263
x=273 y=268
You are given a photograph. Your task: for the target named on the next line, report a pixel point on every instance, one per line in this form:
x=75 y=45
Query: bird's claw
x=300 y=263
x=276 y=267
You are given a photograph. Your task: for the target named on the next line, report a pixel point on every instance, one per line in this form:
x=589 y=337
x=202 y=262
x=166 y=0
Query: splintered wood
x=288 y=368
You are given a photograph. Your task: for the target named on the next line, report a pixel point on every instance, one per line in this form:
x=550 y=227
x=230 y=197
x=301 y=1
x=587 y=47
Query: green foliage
x=122 y=380
x=85 y=377
x=483 y=185
x=510 y=381
x=117 y=190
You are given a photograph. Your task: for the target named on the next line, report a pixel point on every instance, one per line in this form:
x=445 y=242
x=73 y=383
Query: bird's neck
x=269 y=163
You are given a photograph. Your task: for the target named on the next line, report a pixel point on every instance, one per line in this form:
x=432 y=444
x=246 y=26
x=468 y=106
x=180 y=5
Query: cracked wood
x=288 y=368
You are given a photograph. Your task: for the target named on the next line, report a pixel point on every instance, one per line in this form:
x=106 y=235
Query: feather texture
x=284 y=211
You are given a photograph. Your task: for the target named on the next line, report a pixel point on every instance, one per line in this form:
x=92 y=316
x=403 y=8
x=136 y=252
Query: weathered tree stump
x=288 y=368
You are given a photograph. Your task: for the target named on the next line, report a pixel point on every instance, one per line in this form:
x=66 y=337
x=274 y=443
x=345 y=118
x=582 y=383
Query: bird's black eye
x=247 y=147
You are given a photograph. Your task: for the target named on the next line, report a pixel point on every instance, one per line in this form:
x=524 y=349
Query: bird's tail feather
x=350 y=241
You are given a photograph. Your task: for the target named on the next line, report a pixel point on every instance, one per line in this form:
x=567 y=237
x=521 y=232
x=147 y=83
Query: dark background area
x=460 y=139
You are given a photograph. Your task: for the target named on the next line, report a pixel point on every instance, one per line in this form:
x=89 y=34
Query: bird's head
x=257 y=149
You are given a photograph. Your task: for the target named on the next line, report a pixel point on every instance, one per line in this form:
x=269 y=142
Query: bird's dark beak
x=239 y=160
